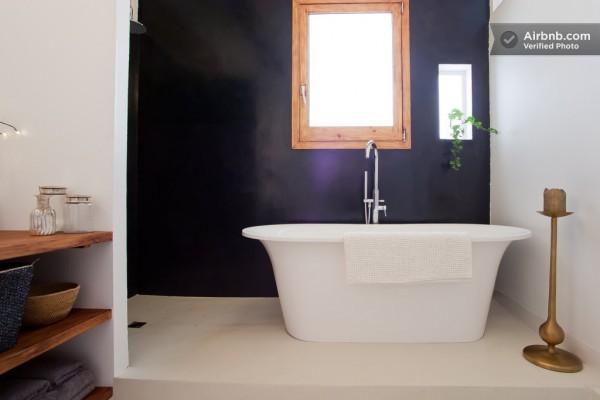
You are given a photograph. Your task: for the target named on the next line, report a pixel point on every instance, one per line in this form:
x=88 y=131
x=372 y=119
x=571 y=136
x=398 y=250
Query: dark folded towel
x=22 y=389
x=74 y=388
x=54 y=370
x=84 y=392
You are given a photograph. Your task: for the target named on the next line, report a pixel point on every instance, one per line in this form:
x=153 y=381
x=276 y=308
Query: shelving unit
x=34 y=342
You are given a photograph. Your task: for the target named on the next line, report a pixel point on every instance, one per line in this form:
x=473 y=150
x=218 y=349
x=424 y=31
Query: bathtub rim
x=334 y=231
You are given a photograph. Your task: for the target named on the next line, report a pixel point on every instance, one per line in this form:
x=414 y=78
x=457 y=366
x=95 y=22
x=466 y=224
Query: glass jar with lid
x=58 y=195
x=78 y=214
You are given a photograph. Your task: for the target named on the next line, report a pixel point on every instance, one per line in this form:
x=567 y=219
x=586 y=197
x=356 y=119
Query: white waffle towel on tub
x=405 y=257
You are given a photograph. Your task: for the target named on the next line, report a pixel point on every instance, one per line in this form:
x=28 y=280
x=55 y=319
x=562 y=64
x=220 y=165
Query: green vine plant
x=458 y=121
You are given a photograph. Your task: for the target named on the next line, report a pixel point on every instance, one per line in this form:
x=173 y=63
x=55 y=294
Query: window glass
x=455 y=91
x=351 y=77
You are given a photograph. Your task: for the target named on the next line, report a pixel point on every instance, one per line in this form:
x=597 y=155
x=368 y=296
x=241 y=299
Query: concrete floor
x=237 y=348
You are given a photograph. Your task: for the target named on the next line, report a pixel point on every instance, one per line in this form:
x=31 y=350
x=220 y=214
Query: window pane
x=454 y=82
x=351 y=78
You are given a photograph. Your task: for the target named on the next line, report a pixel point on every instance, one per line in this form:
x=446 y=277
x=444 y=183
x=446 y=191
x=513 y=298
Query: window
x=350 y=74
x=454 y=92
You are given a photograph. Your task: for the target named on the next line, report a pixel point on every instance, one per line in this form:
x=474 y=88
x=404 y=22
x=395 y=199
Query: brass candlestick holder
x=549 y=356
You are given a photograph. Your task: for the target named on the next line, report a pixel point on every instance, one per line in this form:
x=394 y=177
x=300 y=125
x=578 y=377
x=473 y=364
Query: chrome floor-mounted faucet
x=373 y=203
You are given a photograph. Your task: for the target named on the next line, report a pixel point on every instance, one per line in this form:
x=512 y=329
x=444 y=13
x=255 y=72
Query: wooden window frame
x=395 y=137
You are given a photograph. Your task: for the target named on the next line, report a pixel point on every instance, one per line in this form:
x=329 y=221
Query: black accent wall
x=214 y=146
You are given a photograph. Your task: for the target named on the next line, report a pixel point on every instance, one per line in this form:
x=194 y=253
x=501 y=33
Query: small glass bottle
x=78 y=214
x=42 y=220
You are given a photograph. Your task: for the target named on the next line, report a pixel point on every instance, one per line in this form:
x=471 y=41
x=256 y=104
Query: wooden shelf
x=19 y=243
x=100 y=393
x=33 y=342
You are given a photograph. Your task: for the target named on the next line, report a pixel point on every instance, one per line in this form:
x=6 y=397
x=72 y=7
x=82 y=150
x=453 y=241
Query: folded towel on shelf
x=22 y=389
x=84 y=392
x=406 y=257
x=75 y=388
x=54 y=370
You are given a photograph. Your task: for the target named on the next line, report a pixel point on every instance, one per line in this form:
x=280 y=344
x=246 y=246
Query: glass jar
x=42 y=220
x=57 y=199
x=78 y=214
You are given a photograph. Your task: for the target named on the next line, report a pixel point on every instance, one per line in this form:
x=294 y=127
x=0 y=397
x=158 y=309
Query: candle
x=555 y=202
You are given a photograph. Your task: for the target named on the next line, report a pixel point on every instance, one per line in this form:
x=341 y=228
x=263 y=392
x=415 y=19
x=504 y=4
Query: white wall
x=547 y=109
x=63 y=83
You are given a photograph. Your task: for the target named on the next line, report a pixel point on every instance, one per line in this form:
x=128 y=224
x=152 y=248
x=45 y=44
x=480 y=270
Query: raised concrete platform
x=237 y=348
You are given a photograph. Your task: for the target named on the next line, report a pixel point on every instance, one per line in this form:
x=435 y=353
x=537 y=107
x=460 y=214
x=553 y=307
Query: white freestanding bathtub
x=318 y=305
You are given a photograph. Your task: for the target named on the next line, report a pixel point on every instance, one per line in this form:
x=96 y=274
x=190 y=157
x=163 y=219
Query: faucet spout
x=371 y=145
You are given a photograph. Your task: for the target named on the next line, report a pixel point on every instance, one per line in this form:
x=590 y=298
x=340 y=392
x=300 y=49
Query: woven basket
x=14 y=285
x=49 y=302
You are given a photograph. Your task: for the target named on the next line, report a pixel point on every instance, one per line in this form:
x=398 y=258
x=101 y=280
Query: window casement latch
x=403 y=135
x=303 y=93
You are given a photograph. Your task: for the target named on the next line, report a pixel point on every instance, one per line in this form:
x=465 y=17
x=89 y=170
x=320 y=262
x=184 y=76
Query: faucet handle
x=382 y=208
